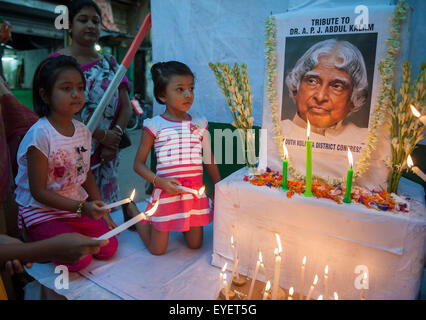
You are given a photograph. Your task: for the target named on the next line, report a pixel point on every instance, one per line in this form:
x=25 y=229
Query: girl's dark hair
x=76 y=5
x=45 y=76
x=162 y=72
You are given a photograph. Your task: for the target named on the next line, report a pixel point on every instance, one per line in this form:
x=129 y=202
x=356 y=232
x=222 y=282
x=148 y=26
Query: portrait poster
x=327 y=73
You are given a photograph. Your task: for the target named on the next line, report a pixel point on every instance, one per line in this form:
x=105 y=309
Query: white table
x=344 y=237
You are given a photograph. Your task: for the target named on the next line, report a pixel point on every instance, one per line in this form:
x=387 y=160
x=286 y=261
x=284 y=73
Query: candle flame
x=201 y=191
x=276 y=251
x=415 y=111
x=409 y=161
x=232 y=240
x=280 y=249
x=260 y=257
x=151 y=211
x=132 y=196
x=326 y=269
x=268 y=286
x=320 y=297
x=308 y=130
x=224 y=267
x=315 y=280
x=291 y=291
x=336 y=297
x=285 y=150
x=351 y=160
x=304 y=260
x=224 y=277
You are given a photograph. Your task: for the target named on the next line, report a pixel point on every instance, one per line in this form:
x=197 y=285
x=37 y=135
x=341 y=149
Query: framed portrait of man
x=327 y=74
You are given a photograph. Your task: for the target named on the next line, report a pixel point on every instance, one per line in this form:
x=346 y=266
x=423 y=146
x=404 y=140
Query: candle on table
x=267 y=287
x=121 y=202
x=326 y=282
x=290 y=293
x=311 y=289
x=198 y=193
x=254 y=277
x=364 y=280
x=320 y=297
x=219 y=282
x=308 y=191
x=302 y=278
x=347 y=198
x=141 y=216
x=415 y=169
x=336 y=297
x=418 y=115
x=277 y=268
x=285 y=167
x=225 y=287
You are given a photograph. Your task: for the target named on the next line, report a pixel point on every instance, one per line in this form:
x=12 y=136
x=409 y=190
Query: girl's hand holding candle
x=121 y=202
x=198 y=193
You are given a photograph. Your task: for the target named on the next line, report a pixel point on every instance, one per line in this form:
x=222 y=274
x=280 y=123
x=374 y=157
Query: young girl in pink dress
x=56 y=191
x=178 y=143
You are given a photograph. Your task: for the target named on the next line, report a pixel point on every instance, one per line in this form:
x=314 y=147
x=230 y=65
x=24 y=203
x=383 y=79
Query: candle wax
x=347 y=198
x=308 y=191
x=285 y=166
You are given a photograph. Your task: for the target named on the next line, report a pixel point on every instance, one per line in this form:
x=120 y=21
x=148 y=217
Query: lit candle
x=254 y=277
x=326 y=283
x=290 y=293
x=267 y=287
x=336 y=297
x=364 y=280
x=311 y=289
x=415 y=169
x=225 y=287
x=219 y=282
x=121 y=202
x=285 y=166
x=308 y=191
x=277 y=268
x=418 y=115
x=263 y=267
x=347 y=198
x=198 y=193
x=320 y=297
x=302 y=278
x=141 y=216
x=234 y=271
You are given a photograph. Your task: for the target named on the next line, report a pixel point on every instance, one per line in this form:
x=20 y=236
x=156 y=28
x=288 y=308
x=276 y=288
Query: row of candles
x=347 y=198
x=272 y=291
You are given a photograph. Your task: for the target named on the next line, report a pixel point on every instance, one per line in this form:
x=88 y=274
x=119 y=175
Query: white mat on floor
x=133 y=273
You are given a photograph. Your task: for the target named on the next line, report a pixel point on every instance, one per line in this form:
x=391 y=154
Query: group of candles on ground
x=272 y=292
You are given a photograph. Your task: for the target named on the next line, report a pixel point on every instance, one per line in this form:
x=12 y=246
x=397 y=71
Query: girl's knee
x=108 y=251
x=157 y=251
x=194 y=244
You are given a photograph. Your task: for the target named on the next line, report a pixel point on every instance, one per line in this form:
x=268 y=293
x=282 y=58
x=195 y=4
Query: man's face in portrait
x=324 y=93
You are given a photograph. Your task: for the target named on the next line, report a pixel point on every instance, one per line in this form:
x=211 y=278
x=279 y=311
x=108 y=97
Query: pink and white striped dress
x=178 y=149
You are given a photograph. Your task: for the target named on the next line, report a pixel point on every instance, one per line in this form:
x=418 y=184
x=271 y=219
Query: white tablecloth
x=391 y=246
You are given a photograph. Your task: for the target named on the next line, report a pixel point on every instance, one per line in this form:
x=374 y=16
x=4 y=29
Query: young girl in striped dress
x=56 y=191
x=178 y=143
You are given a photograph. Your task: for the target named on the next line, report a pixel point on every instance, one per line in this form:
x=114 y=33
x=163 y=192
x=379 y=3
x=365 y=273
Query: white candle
x=415 y=169
x=141 y=216
x=219 y=282
x=302 y=278
x=254 y=278
x=198 y=193
x=263 y=267
x=290 y=293
x=275 y=284
x=320 y=297
x=234 y=270
x=225 y=287
x=336 y=297
x=326 y=282
x=364 y=280
x=418 y=115
x=121 y=202
x=311 y=289
x=267 y=287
